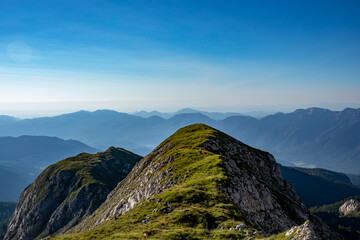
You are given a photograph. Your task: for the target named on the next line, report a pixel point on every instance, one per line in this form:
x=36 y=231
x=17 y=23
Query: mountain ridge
x=200 y=182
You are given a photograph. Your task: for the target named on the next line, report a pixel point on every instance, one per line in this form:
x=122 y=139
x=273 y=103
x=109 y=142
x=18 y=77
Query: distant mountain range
x=311 y=137
x=6 y=119
x=23 y=158
x=213 y=115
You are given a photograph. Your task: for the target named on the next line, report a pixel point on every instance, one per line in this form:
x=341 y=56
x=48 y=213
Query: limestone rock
x=310 y=231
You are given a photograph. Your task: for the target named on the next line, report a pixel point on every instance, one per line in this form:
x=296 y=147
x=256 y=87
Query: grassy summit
x=192 y=209
x=198 y=184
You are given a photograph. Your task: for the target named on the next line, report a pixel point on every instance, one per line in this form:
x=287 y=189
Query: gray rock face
x=257 y=188
x=349 y=206
x=67 y=192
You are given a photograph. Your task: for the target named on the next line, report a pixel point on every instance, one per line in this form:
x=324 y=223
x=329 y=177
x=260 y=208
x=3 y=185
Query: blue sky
x=61 y=56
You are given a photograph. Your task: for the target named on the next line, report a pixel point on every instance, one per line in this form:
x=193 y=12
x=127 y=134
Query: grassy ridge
x=193 y=209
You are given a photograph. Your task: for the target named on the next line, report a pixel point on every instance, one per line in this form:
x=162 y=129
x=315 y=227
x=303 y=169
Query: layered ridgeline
x=202 y=184
x=311 y=137
x=68 y=191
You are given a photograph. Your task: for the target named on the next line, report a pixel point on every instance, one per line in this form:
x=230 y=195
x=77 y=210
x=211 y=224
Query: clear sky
x=62 y=56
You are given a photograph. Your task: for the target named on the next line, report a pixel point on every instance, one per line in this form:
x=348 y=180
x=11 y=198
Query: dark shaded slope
x=317 y=187
x=11 y=185
x=6 y=210
x=348 y=225
x=355 y=179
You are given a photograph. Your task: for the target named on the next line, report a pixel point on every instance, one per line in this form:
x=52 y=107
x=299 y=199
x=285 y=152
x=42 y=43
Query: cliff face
x=200 y=183
x=67 y=192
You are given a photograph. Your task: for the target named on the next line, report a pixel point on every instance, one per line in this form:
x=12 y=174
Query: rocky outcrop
x=350 y=206
x=67 y=192
x=309 y=231
x=247 y=178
